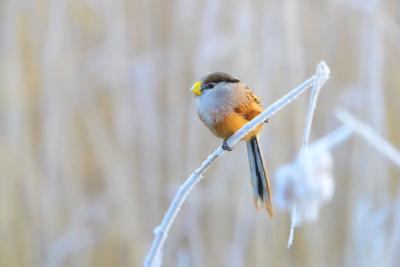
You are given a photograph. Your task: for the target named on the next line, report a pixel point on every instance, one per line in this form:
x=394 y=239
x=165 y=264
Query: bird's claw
x=225 y=146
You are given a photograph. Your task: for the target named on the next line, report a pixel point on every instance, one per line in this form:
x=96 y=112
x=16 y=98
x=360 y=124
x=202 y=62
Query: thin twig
x=370 y=135
x=322 y=75
x=334 y=138
x=161 y=232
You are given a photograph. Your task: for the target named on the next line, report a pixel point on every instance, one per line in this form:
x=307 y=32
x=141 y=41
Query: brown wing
x=251 y=108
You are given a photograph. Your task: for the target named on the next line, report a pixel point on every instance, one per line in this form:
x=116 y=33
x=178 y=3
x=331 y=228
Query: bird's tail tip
x=259 y=203
x=270 y=209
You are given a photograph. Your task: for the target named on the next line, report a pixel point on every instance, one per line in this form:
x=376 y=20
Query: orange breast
x=230 y=124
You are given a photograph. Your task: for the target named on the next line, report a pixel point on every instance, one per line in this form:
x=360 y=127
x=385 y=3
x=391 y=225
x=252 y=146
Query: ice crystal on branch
x=306 y=183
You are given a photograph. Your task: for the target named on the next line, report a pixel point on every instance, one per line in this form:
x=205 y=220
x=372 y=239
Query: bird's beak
x=196 y=88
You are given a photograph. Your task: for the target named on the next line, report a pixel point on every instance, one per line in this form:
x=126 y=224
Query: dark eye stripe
x=207 y=86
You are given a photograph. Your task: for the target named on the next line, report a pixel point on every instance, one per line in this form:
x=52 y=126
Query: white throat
x=214 y=104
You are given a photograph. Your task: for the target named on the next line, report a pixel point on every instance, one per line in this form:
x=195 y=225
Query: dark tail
x=259 y=176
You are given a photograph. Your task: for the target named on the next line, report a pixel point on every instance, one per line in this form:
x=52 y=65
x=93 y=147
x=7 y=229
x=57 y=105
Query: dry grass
x=98 y=128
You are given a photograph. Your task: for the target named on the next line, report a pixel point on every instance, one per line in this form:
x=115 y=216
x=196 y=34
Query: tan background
x=98 y=129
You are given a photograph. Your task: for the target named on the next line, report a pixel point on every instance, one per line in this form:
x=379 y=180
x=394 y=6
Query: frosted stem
x=370 y=136
x=334 y=138
x=293 y=217
x=321 y=76
x=161 y=231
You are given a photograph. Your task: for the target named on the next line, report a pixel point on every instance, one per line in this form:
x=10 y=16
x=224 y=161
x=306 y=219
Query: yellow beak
x=196 y=88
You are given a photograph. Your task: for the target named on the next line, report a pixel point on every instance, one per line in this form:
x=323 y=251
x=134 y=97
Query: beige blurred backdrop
x=98 y=129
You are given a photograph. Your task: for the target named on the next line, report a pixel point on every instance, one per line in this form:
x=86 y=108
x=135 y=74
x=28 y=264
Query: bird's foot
x=225 y=146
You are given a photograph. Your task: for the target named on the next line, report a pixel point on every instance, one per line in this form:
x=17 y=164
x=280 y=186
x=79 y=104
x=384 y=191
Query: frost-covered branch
x=322 y=76
x=154 y=257
x=333 y=139
x=370 y=136
x=304 y=185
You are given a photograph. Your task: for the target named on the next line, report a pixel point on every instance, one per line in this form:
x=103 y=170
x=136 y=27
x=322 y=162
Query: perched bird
x=224 y=105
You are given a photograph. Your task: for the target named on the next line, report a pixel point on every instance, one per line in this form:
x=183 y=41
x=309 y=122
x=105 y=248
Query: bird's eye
x=210 y=85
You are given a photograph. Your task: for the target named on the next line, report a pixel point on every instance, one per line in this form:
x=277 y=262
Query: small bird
x=224 y=104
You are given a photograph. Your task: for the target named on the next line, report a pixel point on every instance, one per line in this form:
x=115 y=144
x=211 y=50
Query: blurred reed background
x=98 y=129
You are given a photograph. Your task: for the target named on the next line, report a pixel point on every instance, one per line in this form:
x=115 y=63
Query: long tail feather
x=259 y=176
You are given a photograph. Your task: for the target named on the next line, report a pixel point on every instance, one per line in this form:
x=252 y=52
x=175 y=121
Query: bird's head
x=212 y=82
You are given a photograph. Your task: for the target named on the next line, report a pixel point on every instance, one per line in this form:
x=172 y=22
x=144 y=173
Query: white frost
x=305 y=184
